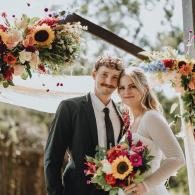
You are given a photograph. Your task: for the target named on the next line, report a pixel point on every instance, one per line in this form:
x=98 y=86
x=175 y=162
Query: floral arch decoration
x=168 y=65
x=29 y=45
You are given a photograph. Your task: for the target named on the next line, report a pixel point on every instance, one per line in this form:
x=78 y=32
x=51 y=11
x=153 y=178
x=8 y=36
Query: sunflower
x=121 y=167
x=43 y=35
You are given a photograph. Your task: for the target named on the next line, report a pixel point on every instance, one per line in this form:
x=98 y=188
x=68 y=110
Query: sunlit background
x=150 y=24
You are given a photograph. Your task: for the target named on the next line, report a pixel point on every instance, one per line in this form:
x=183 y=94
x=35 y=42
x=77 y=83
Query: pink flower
x=91 y=168
x=138 y=148
x=4 y=14
x=136 y=160
x=126 y=120
x=129 y=138
x=49 y=21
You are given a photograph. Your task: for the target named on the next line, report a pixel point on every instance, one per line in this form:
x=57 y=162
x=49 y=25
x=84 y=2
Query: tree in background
x=123 y=17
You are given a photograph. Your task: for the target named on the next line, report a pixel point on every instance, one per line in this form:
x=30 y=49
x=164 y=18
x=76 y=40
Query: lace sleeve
x=159 y=131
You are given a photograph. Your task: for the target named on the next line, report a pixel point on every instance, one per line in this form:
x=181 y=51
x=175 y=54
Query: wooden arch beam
x=107 y=36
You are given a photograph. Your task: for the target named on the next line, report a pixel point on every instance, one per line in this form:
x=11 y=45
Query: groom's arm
x=58 y=141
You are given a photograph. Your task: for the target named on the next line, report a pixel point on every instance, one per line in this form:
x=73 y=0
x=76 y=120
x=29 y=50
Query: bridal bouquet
x=112 y=170
x=46 y=45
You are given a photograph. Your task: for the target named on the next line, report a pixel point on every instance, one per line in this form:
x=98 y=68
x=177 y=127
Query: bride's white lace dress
x=154 y=131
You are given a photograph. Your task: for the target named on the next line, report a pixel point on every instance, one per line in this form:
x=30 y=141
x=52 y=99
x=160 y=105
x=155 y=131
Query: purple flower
x=2 y=47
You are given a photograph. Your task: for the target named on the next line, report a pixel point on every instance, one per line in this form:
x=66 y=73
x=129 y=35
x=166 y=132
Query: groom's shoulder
x=74 y=100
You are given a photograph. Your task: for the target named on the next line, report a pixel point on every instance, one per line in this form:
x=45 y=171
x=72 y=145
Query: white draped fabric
x=33 y=93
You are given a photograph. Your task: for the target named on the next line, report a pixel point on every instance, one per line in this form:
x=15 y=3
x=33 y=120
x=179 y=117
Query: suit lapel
x=91 y=118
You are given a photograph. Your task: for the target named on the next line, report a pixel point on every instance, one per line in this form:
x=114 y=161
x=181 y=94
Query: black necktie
x=109 y=129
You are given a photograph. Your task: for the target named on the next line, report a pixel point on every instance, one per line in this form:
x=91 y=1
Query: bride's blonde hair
x=149 y=100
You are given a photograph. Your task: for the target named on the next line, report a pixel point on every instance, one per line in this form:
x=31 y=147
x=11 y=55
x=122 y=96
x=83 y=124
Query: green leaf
x=173 y=107
x=113 y=192
x=24 y=76
x=10 y=82
x=5 y=84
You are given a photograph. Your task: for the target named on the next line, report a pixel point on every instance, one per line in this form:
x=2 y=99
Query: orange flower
x=185 y=69
x=10 y=59
x=191 y=84
x=29 y=41
x=117 y=148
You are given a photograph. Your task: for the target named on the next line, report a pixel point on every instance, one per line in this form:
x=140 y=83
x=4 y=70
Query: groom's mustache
x=108 y=86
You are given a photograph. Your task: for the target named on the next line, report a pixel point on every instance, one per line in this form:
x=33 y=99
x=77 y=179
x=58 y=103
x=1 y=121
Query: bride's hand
x=137 y=189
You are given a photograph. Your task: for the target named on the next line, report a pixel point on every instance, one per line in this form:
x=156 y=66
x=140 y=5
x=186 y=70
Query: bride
x=150 y=124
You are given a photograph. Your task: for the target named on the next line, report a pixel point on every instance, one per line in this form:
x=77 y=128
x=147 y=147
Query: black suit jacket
x=73 y=128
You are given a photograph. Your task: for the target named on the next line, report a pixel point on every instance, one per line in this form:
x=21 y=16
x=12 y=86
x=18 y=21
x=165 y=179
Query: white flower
x=35 y=60
x=25 y=56
x=106 y=167
x=121 y=192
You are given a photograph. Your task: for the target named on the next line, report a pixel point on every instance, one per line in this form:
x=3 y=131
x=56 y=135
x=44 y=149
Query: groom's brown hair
x=109 y=62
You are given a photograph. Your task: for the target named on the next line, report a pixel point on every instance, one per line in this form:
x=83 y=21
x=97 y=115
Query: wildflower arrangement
x=46 y=45
x=180 y=70
x=112 y=170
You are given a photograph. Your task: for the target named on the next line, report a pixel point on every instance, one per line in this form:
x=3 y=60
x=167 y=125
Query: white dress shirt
x=98 y=107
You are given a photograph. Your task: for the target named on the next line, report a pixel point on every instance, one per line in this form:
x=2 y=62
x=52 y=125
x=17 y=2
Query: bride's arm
x=157 y=128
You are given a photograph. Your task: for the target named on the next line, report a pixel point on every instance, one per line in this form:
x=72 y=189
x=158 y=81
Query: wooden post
x=189 y=146
x=189 y=21
x=189 y=143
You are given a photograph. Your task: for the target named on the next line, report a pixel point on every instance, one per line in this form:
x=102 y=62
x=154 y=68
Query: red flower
x=117 y=151
x=8 y=75
x=136 y=160
x=110 y=179
x=139 y=143
x=169 y=63
x=42 y=68
x=9 y=59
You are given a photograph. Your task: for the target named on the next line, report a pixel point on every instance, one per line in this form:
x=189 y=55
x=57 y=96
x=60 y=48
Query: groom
x=79 y=125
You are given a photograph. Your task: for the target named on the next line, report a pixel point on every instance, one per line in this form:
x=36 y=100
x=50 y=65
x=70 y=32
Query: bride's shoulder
x=152 y=115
